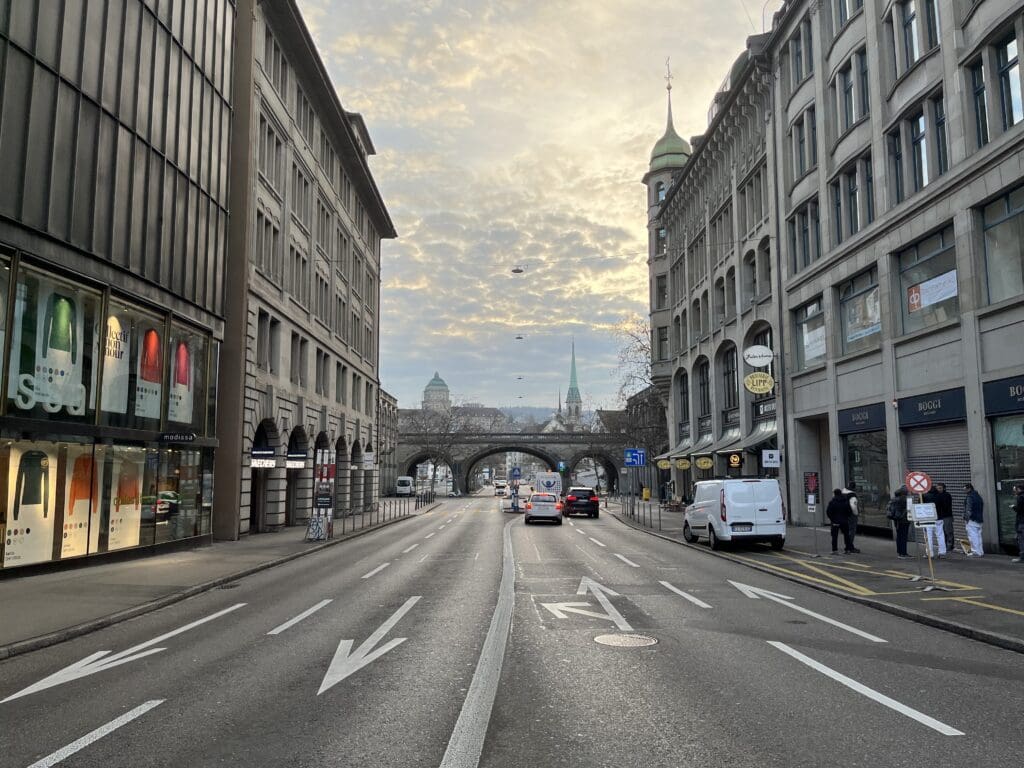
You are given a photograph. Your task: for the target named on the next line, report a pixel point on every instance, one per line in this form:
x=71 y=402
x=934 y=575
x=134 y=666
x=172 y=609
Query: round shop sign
x=758 y=356
x=704 y=462
x=735 y=460
x=664 y=464
x=759 y=382
x=682 y=463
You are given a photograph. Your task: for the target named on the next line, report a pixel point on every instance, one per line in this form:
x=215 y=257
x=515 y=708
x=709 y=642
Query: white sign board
x=923 y=513
x=368 y=459
x=758 y=356
x=933 y=291
x=771 y=459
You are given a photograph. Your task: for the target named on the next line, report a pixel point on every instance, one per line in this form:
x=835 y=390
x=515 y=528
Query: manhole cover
x=625 y=641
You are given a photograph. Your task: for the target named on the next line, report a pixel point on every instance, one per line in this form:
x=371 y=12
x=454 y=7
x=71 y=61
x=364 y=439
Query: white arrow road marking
x=597 y=542
x=871 y=693
x=292 y=622
x=696 y=601
x=101 y=660
x=407 y=550
x=757 y=592
x=345 y=662
x=560 y=610
x=601 y=592
x=376 y=570
x=626 y=560
x=96 y=735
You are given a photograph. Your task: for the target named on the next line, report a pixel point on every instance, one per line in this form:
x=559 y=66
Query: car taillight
x=529 y=505
x=570 y=498
x=721 y=500
x=595 y=498
x=558 y=505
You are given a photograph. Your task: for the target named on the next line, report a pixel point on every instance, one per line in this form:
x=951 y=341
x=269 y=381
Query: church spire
x=573 y=384
x=668 y=89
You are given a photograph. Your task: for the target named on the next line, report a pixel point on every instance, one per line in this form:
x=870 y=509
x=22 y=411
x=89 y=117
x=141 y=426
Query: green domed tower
x=436 y=396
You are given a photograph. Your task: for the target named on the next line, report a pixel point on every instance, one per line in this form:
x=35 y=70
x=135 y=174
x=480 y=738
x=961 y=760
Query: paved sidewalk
x=43 y=609
x=980 y=597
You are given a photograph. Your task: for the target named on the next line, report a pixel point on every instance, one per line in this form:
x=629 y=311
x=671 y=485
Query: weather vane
x=668 y=73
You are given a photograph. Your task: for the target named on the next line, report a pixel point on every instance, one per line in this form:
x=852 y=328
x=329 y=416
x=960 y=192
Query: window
x=274 y=357
x=1009 y=83
x=932 y=19
x=730 y=293
x=837 y=212
x=339 y=383
x=304 y=117
x=799 y=148
x=323 y=226
x=749 y=273
x=852 y=202
x=356 y=404
x=660 y=191
x=704 y=389
x=919 y=150
x=271 y=154
x=301 y=196
x=862 y=69
x=941 y=144
x=684 y=399
x=1003 y=223
x=303 y=362
x=274 y=64
x=805 y=235
x=911 y=49
x=730 y=381
x=663 y=342
x=812 y=150
x=661 y=291
x=844 y=86
x=859 y=311
x=796 y=52
x=661 y=245
x=980 y=104
x=267 y=246
x=294 y=375
x=263 y=340
x=810 y=334
x=928 y=281
x=896 y=164
x=869 y=189
x=328 y=158
x=322 y=372
x=298 y=276
x=322 y=305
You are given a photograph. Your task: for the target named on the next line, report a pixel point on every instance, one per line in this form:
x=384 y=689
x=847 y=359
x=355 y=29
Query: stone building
x=436 y=396
x=387 y=441
x=299 y=369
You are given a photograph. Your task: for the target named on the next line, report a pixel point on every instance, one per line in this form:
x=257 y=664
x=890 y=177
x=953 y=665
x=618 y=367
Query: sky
x=517 y=132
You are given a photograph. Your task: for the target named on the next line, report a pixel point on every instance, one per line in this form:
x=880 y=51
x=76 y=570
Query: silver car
x=544 y=506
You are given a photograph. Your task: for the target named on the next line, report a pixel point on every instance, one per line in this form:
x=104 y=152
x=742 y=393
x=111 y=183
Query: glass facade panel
x=132 y=368
x=1004 y=252
x=860 y=312
x=928 y=282
x=186 y=391
x=1008 y=439
x=867 y=464
x=810 y=331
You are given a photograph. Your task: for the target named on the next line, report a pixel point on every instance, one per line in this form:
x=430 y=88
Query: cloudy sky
x=516 y=132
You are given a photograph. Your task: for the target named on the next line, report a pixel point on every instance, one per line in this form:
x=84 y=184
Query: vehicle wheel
x=712 y=539
x=558 y=521
x=688 y=534
x=778 y=543
x=526 y=521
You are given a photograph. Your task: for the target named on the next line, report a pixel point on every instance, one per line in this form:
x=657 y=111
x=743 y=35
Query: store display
x=125 y=516
x=29 y=529
x=148 y=386
x=179 y=406
x=81 y=509
x=116 y=365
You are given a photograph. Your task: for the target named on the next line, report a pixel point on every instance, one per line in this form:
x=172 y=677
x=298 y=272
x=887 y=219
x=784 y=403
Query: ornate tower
x=436 y=396
x=573 y=401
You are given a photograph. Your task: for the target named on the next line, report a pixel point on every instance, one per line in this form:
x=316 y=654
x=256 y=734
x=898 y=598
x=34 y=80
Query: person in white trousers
x=934 y=531
x=974 y=514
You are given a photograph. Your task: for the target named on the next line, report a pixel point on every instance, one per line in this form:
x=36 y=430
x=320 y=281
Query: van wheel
x=778 y=543
x=713 y=540
x=688 y=534
x=559 y=521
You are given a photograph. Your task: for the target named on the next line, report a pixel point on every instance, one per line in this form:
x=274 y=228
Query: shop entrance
x=298 y=485
x=943 y=453
x=262 y=453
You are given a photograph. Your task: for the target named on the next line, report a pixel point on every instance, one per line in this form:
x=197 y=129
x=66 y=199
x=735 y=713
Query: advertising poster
x=148 y=385
x=32 y=494
x=179 y=404
x=81 y=502
x=125 y=517
x=934 y=291
x=116 y=365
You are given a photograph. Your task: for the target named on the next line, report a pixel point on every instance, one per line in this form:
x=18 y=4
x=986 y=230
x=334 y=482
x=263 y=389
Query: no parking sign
x=918 y=482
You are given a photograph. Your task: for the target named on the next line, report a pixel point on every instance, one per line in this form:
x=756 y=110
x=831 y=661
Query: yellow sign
x=704 y=462
x=664 y=464
x=735 y=460
x=682 y=463
x=759 y=382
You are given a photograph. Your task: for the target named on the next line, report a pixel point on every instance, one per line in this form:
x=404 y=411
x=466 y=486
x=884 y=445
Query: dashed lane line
x=99 y=733
x=597 y=542
x=432 y=533
x=407 y=550
x=305 y=614
x=626 y=560
x=376 y=570
x=685 y=595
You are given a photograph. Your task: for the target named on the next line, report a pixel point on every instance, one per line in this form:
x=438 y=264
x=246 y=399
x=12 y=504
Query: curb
x=980 y=635
x=68 y=633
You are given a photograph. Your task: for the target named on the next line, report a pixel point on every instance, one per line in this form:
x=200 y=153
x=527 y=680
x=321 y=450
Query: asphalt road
x=499 y=665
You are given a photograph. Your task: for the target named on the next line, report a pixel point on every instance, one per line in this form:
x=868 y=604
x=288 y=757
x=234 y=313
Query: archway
x=463 y=477
x=341 y=478
x=299 y=480
x=429 y=460
x=603 y=464
x=262 y=462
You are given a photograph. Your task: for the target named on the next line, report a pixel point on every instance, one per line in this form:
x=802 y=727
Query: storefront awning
x=702 y=446
x=728 y=443
x=682 y=449
x=763 y=432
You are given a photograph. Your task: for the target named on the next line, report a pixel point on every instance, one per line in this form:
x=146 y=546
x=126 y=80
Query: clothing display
x=125 y=518
x=148 y=387
x=128 y=486
x=28 y=533
x=179 y=407
x=59 y=324
x=33 y=484
x=83 y=484
x=116 y=366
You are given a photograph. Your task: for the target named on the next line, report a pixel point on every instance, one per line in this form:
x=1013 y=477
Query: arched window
x=704 y=389
x=719 y=301
x=730 y=293
x=684 y=400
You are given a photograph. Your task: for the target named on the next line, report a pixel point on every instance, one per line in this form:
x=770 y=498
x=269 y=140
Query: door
x=257 y=500
x=942 y=452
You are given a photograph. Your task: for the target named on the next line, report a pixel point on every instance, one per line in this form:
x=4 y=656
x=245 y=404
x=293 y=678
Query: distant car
x=500 y=488
x=543 y=506
x=580 y=500
x=736 y=510
x=405 y=486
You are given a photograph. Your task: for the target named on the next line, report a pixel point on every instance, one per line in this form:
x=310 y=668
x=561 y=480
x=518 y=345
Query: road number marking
x=685 y=595
x=96 y=735
x=292 y=622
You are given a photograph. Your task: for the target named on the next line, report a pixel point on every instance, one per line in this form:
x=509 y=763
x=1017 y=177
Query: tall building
x=436 y=396
x=387 y=440
x=114 y=126
x=299 y=368
x=573 y=400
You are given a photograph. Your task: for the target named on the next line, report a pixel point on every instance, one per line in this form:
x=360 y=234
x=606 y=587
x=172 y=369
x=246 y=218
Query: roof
x=436 y=383
x=671 y=150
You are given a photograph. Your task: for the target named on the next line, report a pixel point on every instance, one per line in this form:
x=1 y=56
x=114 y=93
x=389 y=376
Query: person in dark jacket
x=1018 y=507
x=933 y=535
x=897 y=512
x=974 y=516
x=944 y=511
x=838 y=513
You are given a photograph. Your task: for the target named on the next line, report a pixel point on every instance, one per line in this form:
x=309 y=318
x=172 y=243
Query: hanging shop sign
x=262 y=458
x=759 y=382
x=704 y=462
x=933 y=408
x=735 y=460
x=766 y=408
x=866 y=418
x=682 y=463
x=1004 y=396
x=295 y=460
x=664 y=464
x=758 y=356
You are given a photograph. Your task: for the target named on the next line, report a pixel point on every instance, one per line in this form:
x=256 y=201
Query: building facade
x=299 y=373
x=387 y=440
x=436 y=396
x=114 y=124
x=898 y=146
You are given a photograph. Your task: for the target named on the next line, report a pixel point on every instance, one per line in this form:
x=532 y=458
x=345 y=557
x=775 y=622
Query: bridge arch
x=466 y=470
x=603 y=458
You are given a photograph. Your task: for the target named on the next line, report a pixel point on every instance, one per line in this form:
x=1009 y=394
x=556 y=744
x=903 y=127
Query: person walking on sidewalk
x=974 y=509
x=897 y=512
x=944 y=511
x=1018 y=507
x=838 y=514
x=850 y=492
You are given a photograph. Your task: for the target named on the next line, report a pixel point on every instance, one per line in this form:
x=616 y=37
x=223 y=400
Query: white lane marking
x=101 y=660
x=477 y=556
x=597 y=542
x=601 y=592
x=96 y=735
x=862 y=689
x=626 y=560
x=570 y=522
x=424 y=558
x=346 y=662
x=581 y=532
x=757 y=592
x=432 y=533
x=292 y=622
x=467 y=740
x=407 y=550
x=695 y=600
x=376 y=570
x=441 y=527
x=559 y=610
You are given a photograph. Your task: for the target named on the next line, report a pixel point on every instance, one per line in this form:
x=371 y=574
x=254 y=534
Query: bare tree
x=634 y=335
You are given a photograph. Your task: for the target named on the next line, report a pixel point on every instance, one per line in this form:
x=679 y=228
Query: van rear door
x=767 y=499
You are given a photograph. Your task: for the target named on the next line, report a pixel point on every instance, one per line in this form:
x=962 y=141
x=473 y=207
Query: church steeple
x=573 y=401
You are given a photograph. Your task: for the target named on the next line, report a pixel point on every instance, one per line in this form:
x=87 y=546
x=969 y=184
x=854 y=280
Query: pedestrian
x=1018 y=507
x=897 y=512
x=838 y=514
x=850 y=492
x=944 y=513
x=934 y=531
x=974 y=509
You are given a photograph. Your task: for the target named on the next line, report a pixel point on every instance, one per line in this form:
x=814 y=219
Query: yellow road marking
x=977 y=602
x=797 y=574
x=851 y=586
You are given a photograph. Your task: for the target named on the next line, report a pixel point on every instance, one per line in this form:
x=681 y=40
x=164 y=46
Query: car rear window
x=581 y=491
x=542 y=497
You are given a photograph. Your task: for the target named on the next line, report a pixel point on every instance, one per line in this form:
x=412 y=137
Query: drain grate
x=625 y=641
x=230 y=586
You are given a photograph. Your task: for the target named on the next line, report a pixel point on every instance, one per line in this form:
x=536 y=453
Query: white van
x=405 y=486
x=736 y=510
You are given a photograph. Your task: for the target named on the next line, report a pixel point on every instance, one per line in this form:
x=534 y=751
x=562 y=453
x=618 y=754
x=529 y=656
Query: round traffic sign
x=918 y=482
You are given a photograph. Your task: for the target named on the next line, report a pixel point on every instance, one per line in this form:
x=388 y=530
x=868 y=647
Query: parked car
x=543 y=506
x=581 y=500
x=736 y=510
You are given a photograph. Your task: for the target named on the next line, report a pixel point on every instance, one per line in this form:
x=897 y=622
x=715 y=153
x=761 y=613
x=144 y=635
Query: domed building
x=436 y=396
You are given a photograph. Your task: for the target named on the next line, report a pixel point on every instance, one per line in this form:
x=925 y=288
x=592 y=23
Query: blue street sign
x=562 y=466
x=517 y=473
x=635 y=457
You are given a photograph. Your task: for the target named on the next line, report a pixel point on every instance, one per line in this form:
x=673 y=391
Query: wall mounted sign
x=758 y=356
x=759 y=382
x=178 y=437
x=866 y=418
x=682 y=464
x=1004 y=395
x=664 y=464
x=295 y=460
x=933 y=408
x=735 y=460
x=704 y=462
x=771 y=459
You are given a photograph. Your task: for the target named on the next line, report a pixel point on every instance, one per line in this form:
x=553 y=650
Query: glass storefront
x=1008 y=448
x=867 y=465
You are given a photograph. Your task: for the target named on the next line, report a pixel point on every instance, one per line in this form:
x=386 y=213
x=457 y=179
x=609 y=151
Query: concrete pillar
x=370 y=493
x=355 y=489
x=342 y=505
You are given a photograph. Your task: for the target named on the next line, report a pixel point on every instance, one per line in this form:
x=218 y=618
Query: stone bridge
x=464 y=451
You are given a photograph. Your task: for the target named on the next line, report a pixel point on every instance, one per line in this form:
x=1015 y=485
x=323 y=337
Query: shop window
x=1003 y=222
x=928 y=281
x=54 y=349
x=810 y=334
x=181 y=492
x=860 y=313
x=186 y=403
x=867 y=464
x=704 y=389
x=1008 y=439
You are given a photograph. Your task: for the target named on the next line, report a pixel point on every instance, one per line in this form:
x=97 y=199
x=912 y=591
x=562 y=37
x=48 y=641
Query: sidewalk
x=48 y=608
x=981 y=597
